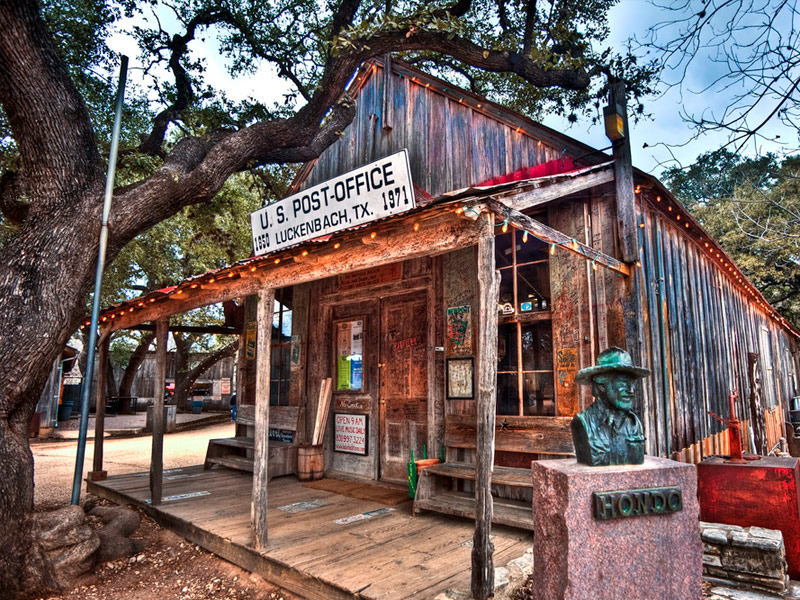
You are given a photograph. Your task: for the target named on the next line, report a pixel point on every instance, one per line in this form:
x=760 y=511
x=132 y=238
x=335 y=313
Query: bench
x=438 y=486
x=237 y=452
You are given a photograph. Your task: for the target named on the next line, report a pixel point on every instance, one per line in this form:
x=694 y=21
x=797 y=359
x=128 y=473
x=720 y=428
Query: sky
x=667 y=136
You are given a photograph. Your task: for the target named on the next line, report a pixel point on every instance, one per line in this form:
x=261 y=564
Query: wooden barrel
x=310 y=462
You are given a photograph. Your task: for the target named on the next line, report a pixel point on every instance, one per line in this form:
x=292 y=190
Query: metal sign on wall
x=374 y=191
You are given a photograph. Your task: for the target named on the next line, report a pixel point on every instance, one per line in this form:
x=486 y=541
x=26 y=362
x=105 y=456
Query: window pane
x=349 y=347
x=537 y=346
x=286 y=352
x=507 y=394
x=286 y=326
x=539 y=396
x=503 y=254
x=533 y=287
x=507 y=347
x=507 y=290
x=274 y=391
x=530 y=250
x=276 y=325
x=275 y=362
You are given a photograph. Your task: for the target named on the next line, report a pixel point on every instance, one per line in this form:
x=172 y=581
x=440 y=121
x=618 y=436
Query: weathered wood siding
x=452 y=144
x=144 y=387
x=707 y=325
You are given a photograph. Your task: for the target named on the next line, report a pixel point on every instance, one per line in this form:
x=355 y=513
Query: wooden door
x=403 y=382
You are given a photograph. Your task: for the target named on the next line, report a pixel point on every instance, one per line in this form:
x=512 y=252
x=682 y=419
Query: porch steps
x=462 y=504
x=240 y=463
x=436 y=492
x=231 y=453
x=247 y=443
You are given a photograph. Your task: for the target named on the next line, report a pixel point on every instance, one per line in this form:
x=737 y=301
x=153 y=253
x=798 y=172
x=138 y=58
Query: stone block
x=711 y=560
x=714 y=536
x=577 y=556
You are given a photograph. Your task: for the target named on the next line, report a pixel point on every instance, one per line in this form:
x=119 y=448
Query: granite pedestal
x=577 y=556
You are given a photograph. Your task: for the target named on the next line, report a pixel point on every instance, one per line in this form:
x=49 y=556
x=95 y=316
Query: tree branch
x=46 y=114
x=135 y=361
x=204 y=365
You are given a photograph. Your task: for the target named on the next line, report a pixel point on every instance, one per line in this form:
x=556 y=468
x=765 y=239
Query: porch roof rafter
x=426 y=232
x=547 y=234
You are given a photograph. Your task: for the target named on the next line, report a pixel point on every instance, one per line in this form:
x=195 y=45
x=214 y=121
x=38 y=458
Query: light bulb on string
x=524 y=236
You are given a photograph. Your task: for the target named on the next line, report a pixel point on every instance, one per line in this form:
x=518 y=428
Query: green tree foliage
x=199 y=238
x=752 y=207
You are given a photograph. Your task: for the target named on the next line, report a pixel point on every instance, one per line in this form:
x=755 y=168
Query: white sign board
x=350 y=433
x=374 y=191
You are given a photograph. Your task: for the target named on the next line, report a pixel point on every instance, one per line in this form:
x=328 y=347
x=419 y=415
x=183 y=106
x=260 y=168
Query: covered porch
x=322 y=544
x=388 y=554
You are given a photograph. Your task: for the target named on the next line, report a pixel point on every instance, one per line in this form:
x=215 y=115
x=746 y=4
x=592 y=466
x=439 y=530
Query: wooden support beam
x=553 y=236
x=215 y=329
x=160 y=380
x=261 y=449
x=488 y=290
x=439 y=232
x=97 y=473
x=388 y=96
x=545 y=191
x=623 y=177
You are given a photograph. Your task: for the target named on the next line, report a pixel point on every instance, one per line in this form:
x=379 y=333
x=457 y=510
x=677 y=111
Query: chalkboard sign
x=281 y=435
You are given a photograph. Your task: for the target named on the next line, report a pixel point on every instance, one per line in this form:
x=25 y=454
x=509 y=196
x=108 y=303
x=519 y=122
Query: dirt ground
x=170 y=568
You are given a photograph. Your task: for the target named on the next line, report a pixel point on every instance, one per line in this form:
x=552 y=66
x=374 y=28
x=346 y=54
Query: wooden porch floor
x=386 y=555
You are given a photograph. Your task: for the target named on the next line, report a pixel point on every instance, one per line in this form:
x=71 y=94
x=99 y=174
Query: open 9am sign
x=350 y=433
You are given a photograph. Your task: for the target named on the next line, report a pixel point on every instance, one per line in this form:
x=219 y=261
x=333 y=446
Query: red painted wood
x=761 y=493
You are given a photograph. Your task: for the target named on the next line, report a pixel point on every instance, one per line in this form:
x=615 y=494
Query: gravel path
x=54 y=462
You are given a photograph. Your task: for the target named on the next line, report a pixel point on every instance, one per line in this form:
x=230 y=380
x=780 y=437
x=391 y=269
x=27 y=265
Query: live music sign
x=380 y=189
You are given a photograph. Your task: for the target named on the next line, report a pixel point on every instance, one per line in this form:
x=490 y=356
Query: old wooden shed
x=459 y=325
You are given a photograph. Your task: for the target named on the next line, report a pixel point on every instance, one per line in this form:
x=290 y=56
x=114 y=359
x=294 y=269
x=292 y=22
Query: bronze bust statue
x=608 y=432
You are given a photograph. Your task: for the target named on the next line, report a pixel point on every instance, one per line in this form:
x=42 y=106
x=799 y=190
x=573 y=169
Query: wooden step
x=240 y=463
x=235 y=442
x=460 y=504
x=501 y=475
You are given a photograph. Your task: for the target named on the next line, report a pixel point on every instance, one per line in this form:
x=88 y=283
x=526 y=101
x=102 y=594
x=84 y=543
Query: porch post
x=261 y=450
x=157 y=454
x=623 y=176
x=482 y=547
x=97 y=473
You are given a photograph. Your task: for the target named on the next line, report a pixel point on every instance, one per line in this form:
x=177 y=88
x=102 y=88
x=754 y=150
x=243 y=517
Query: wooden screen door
x=403 y=382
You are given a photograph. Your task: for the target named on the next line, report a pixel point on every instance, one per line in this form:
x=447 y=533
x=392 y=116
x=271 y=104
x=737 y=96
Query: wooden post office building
x=458 y=324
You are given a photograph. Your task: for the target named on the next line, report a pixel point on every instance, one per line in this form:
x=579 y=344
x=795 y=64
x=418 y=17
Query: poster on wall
x=349 y=349
x=350 y=433
x=225 y=386
x=460 y=377
x=459 y=331
x=250 y=340
x=567 y=390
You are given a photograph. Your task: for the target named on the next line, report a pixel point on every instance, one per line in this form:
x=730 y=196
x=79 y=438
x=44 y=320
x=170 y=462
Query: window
x=525 y=384
x=281 y=347
x=349 y=357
